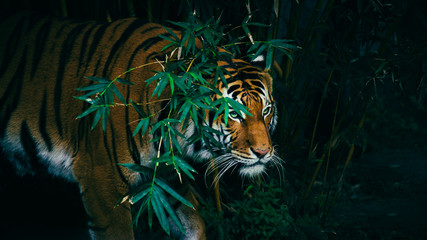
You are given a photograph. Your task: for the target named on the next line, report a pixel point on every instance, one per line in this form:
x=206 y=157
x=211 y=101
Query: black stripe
x=95 y=42
x=245 y=75
x=113 y=158
x=13 y=91
x=235 y=94
x=197 y=146
x=117 y=25
x=64 y=56
x=257 y=83
x=83 y=44
x=149 y=29
x=29 y=145
x=133 y=149
x=12 y=45
x=123 y=37
x=40 y=45
x=258 y=90
x=149 y=42
x=155 y=55
x=232 y=89
x=42 y=124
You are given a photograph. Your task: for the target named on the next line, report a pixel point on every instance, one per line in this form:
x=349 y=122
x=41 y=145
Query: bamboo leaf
x=172 y=192
x=169 y=210
x=160 y=212
x=96 y=118
x=124 y=81
x=118 y=93
x=98 y=79
x=157 y=76
x=85 y=97
x=150 y=211
x=226 y=112
x=140 y=195
x=269 y=57
x=138 y=168
x=185 y=108
x=138 y=109
x=98 y=87
x=88 y=111
x=219 y=111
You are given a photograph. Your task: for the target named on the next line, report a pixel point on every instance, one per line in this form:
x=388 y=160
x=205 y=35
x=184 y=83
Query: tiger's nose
x=260 y=152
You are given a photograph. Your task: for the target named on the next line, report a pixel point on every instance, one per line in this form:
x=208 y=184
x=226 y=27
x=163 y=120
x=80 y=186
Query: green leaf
x=150 y=212
x=140 y=195
x=169 y=210
x=176 y=144
x=88 y=111
x=238 y=107
x=174 y=36
x=172 y=192
x=138 y=109
x=85 y=97
x=98 y=79
x=171 y=83
x=155 y=77
x=185 y=108
x=138 y=168
x=105 y=113
x=194 y=114
x=254 y=46
x=99 y=87
x=142 y=123
x=160 y=212
x=226 y=112
x=219 y=111
x=180 y=82
x=98 y=116
x=269 y=57
x=259 y=51
x=138 y=214
x=118 y=93
x=124 y=81
x=161 y=85
x=184 y=166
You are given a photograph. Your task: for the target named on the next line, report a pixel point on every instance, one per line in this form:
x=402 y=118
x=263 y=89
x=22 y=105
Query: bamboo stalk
x=347 y=162
x=310 y=150
x=63 y=8
x=291 y=34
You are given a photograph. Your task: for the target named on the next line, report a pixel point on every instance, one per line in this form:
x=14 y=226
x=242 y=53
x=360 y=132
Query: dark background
x=352 y=124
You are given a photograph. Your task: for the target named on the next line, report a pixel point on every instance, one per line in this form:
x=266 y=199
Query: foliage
x=259 y=214
x=184 y=78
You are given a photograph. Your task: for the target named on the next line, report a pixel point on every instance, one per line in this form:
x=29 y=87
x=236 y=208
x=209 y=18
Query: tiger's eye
x=233 y=114
x=266 y=111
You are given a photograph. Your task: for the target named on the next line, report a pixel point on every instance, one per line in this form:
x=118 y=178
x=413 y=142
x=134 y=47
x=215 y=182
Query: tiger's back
x=44 y=61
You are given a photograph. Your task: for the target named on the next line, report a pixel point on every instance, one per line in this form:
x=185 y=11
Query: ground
x=385 y=195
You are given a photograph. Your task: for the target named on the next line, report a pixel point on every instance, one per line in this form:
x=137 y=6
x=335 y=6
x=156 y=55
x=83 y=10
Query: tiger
x=44 y=60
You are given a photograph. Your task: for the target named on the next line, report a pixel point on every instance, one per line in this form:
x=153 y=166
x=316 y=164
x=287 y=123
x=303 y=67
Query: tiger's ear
x=268 y=80
x=260 y=62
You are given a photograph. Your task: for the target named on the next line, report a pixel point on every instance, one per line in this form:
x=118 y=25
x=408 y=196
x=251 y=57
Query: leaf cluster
x=189 y=79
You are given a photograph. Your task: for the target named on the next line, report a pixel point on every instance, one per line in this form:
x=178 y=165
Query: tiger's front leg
x=101 y=187
x=191 y=220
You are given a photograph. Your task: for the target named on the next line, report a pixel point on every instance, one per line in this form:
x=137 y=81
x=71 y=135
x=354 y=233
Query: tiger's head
x=246 y=144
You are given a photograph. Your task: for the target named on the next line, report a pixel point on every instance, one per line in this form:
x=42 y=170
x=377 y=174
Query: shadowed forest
x=352 y=124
